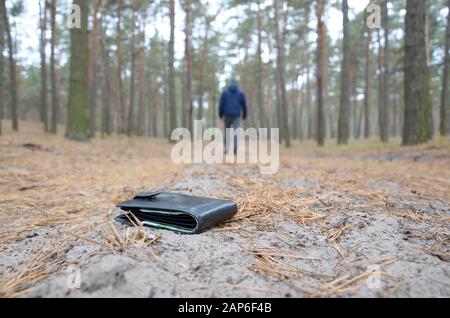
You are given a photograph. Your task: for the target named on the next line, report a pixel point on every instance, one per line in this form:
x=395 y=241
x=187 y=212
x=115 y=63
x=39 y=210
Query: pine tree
x=344 y=108
x=78 y=121
x=418 y=116
x=444 y=99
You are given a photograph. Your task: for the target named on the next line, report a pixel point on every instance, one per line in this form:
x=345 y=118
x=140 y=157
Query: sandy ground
x=352 y=222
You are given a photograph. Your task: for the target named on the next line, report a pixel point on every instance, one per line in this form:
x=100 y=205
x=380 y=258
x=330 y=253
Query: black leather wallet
x=177 y=212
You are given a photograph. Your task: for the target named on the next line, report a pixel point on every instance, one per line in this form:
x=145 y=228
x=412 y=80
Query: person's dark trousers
x=235 y=123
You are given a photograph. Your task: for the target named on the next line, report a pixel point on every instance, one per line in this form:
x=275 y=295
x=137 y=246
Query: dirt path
x=318 y=228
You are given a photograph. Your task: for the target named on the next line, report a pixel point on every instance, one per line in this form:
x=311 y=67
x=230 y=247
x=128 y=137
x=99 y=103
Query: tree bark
x=320 y=72
x=188 y=111
x=2 y=46
x=77 y=121
x=344 y=105
x=385 y=77
x=93 y=69
x=131 y=127
x=155 y=95
x=202 y=68
x=443 y=127
x=12 y=70
x=418 y=116
x=172 y=92
x=106 y=91
x=55 y=95
x=142 y=82
x=44 y=82
x=367 y=87
x=120 y=100
x=260 y=91
x=281 y=74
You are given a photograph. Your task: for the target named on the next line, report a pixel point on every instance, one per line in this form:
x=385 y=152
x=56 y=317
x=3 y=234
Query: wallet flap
x=147 y=195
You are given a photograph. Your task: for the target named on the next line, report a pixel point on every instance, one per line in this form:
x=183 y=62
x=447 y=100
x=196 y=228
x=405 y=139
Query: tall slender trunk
x=260 y=91
x=172 y=92
x=309 y=106
x=2 y=70
x=120 y=97
x=418 y=114
x=301 y=134
x=202 y=70
x=321 y=42
x=395 y=117
x=12 y=70
x=212 y=96
x=131 y=127
x=385 y=94
x=353 y=93
x=187 y=115
x=142 y=81
x=367 y=87
x=93 y=69
x=443 y=127
x=155 y=97
x=281 y=72
x=380 y=80
x=77 y=121
x=166 y=109
x=344 y=104
x=106 y=87
x=55 y=96
x=44 y=82
x=155 y=112
x=360 y=121
x=293 y=101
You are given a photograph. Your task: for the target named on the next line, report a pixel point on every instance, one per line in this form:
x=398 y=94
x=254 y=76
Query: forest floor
x=318 y=228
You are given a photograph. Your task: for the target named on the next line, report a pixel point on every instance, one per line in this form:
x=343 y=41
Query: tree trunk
x=12 y=70
x=142 y=82
x=172 y=92
x=262 y=116
x=321 y=42
x=77 y=121
x=106 y=92
x=281 y=72
x=44 y=83
x=367 y=87
x=444 y=98
x=55 y=99
x=131 y=127
x=380 y=80
x=344 y=105
x=309 y=106
x=418 y=116
x=301 y=134
x=384 y=105
x=213 y=94
x=93 y=69
x=2 y=46
x=120 y=100
x=187 y=83
x=202 y=67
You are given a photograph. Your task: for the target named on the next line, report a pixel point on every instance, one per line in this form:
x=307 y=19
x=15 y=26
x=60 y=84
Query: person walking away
x=233 y=107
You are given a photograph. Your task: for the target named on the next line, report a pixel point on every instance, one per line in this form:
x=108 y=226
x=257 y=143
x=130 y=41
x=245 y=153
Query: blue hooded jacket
x=233 y=102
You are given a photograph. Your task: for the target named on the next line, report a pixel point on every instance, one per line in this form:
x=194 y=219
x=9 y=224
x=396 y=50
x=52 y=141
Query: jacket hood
x=233 y=87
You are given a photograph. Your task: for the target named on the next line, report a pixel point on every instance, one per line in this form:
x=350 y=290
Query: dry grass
x=47 y=181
